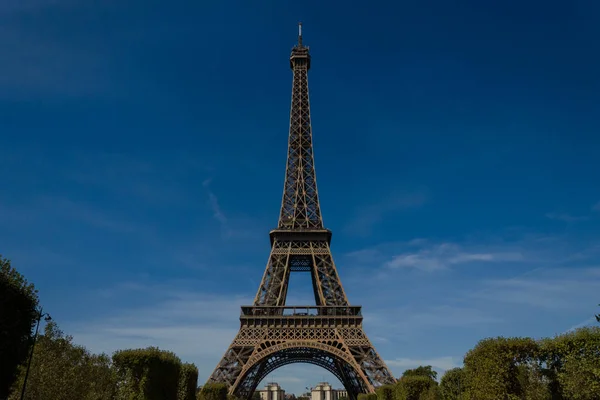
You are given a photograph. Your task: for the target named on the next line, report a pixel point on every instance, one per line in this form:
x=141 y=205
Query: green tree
x=18 y=315
x=149 y=374
x=491 y=368
x=453 y=384
x=412 y=387
x=214 y=391
x=384 y=392
x=426 y=371
x=61 y=370
x=188 y=380
x=433 y=393
x=256 y=395
x=533 y=383
x=573 y=361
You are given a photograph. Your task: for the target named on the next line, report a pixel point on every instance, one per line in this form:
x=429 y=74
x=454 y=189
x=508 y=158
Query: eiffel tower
x=329 y=334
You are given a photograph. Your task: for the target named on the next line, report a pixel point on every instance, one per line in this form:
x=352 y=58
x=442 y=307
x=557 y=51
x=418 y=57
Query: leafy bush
x=385 y=392
x=573 y=364
x=214 y=391
x=61 y=370
x=492 y=367
x=413 y=386
x=452 y=384
x=148 y=374
x=188 y=381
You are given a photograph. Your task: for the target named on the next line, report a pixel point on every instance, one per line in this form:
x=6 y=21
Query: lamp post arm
x=37 y=327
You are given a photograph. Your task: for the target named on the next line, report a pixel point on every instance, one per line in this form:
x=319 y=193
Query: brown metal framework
x=329 y=334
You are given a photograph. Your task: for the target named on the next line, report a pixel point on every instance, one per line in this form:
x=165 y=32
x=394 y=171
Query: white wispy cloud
x=442 y=256
x=214 y=203
x=424 y=255
x=391 y=324
x=218 y=214
x=567 y=217
x=555 y=288
x=197 y=326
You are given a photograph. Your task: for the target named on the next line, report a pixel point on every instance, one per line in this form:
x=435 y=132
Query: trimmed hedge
x=385 y=392
x=147 y=374
x=188 y=381
x=367 y=396
x=214 y=391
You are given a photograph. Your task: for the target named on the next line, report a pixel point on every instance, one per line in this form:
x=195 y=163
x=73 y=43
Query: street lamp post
x=47 y=318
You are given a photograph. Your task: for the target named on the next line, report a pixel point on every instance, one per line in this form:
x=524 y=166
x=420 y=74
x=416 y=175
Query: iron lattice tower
x=329 y=334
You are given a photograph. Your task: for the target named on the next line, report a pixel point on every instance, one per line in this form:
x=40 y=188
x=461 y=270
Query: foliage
x=533 y=383
x=341 y=398
x=385 y=392
x=61 y=370
x=491 y=368
x=18 y=302
x=426 y=371
x=433 y=393
x=188 y=380
x=371 y=396
x=412 y=387
x=573 y=364
x=214 y=391
x=255 y=396
x=453 y=384
x=149 y=374
x=362 y=396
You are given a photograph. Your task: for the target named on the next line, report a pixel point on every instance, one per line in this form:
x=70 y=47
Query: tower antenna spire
x=300 y=34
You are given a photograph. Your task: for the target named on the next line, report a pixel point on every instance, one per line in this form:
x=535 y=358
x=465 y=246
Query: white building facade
x=324 y=391
x=272 y=392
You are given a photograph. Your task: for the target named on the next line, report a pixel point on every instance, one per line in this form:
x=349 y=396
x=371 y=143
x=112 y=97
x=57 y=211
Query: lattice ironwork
x=329 y=334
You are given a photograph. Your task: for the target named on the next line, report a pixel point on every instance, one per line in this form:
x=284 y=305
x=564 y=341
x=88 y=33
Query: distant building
x=324 y=391
x=272 y=392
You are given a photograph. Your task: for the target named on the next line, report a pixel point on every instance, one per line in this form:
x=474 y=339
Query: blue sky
x=143 y=154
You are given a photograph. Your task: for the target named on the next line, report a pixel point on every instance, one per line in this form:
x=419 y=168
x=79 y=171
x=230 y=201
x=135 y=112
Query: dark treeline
x=566 y=367
x=62 y=370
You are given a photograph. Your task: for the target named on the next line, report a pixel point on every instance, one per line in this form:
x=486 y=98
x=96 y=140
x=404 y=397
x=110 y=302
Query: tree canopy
x=61 y=370
x=148 y=373
x=18 y=302
x=453 y=384
x=426 y=371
